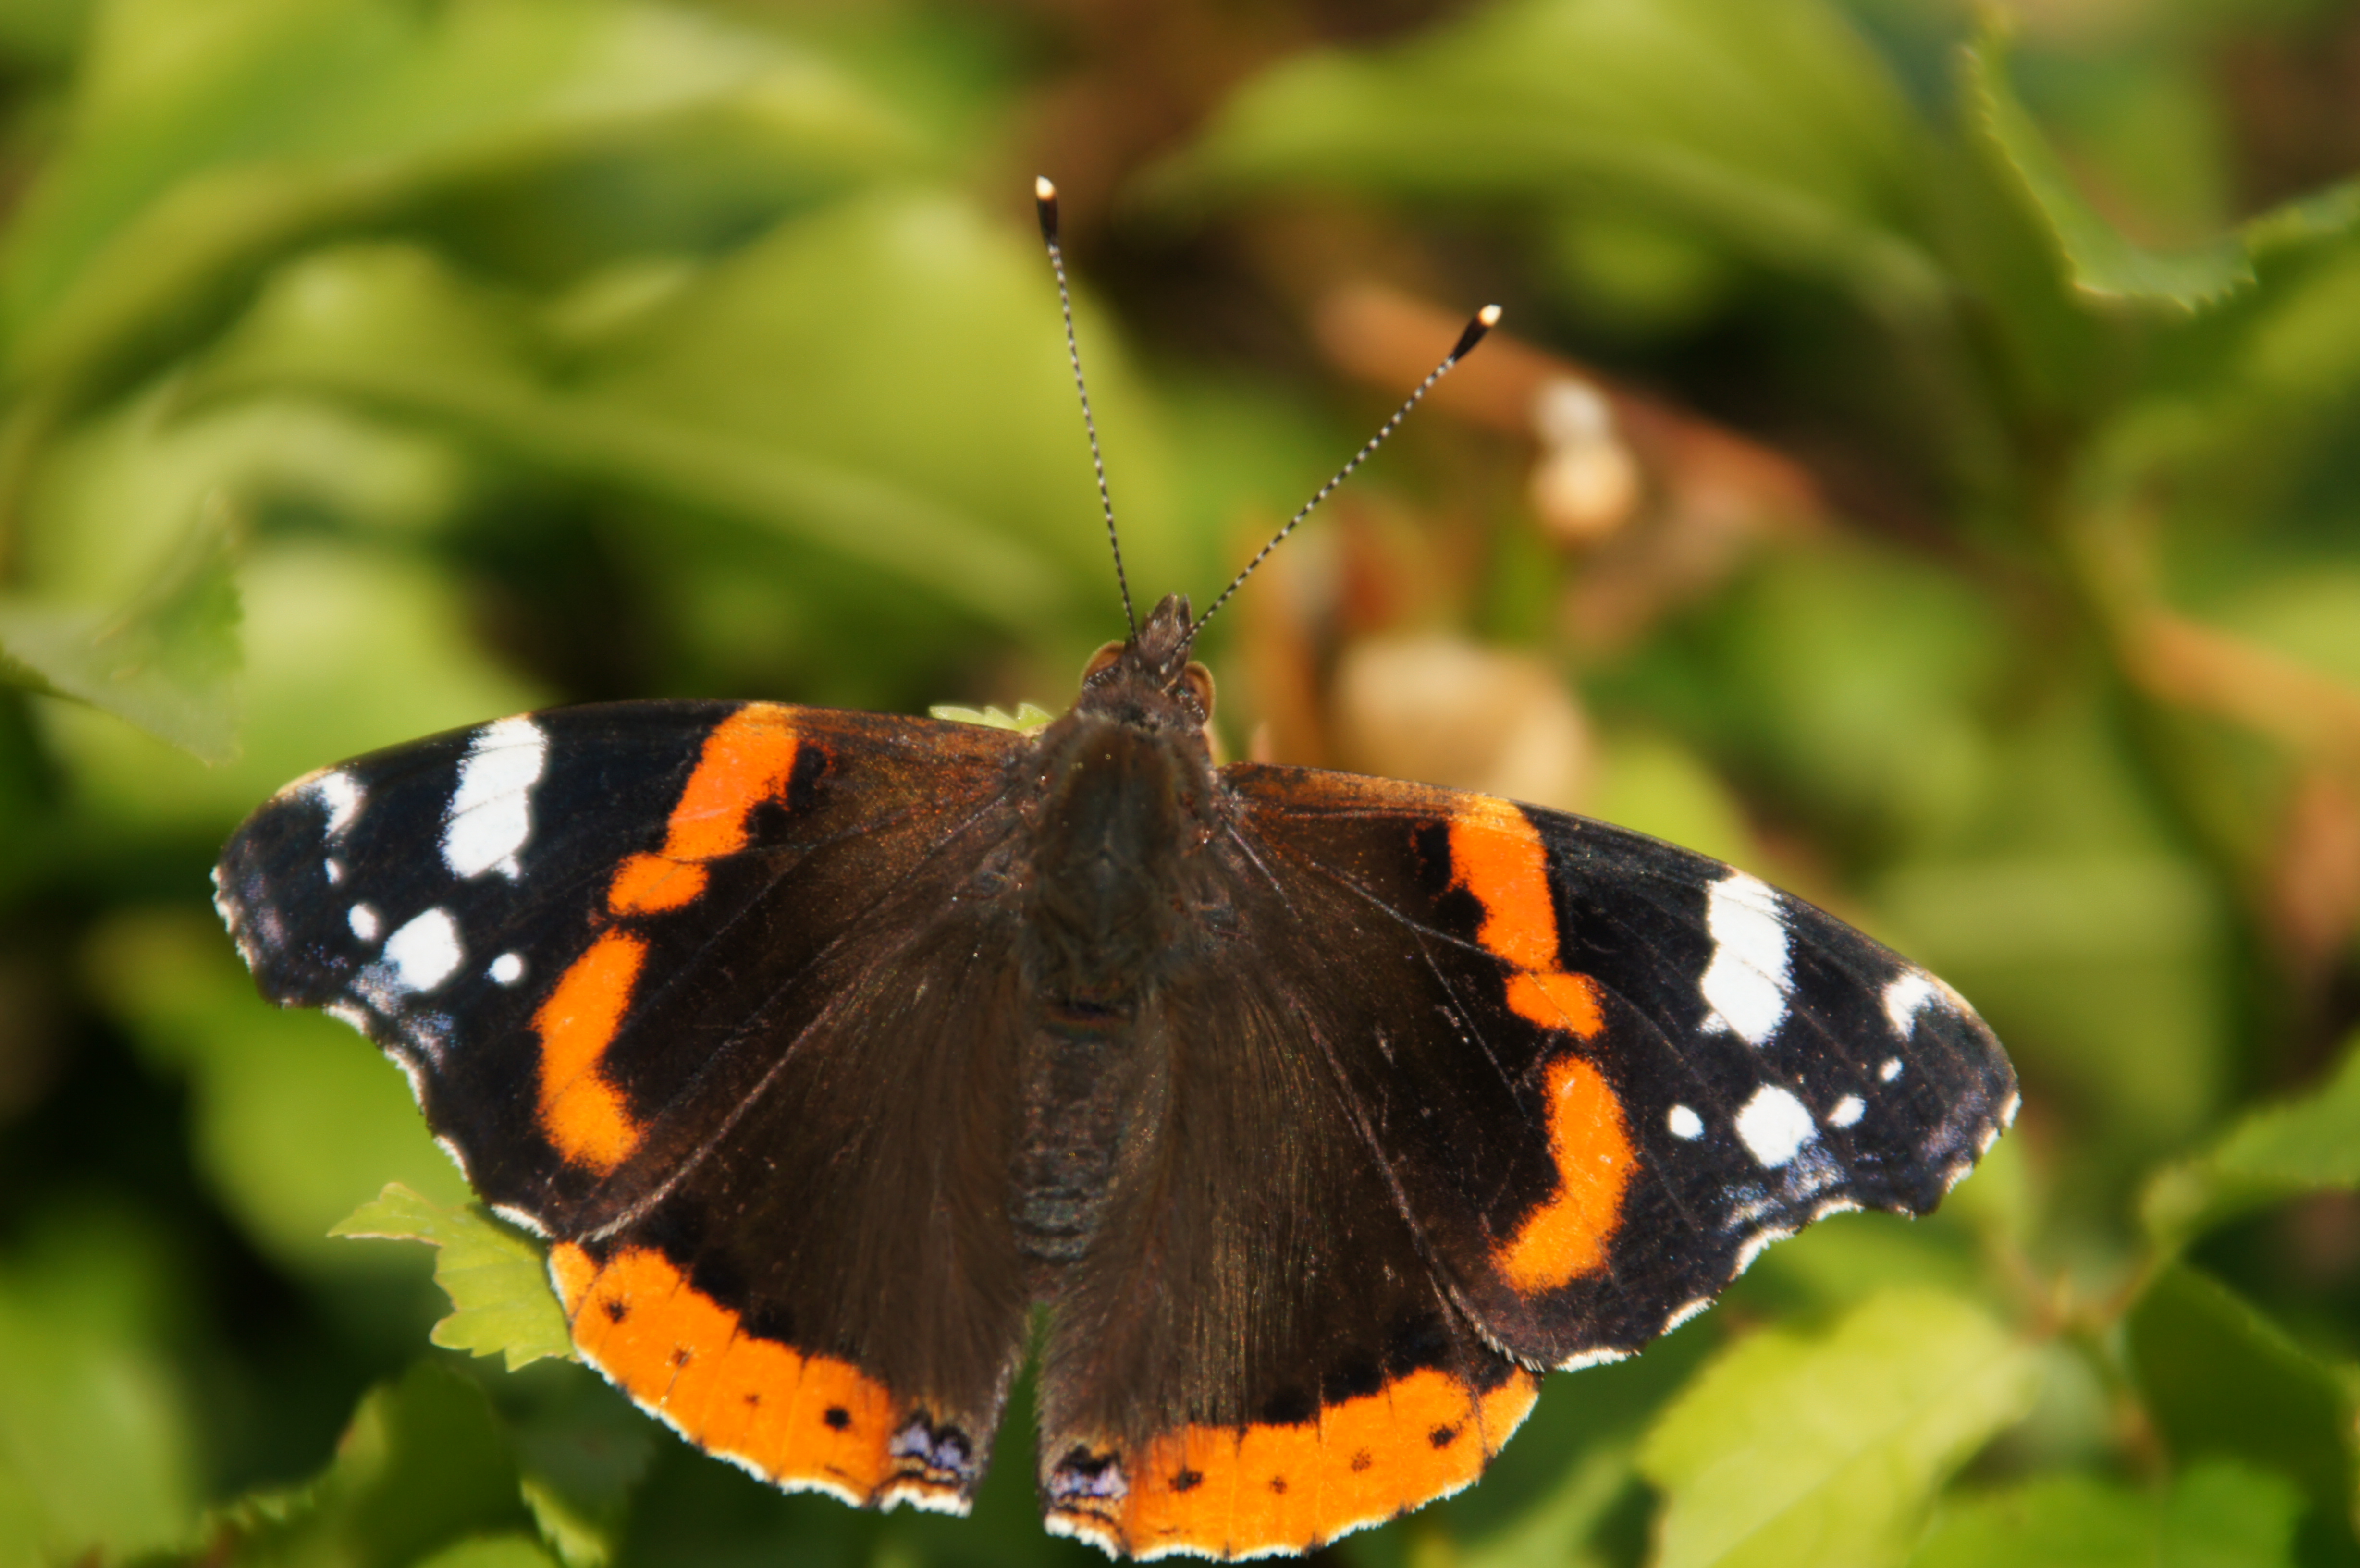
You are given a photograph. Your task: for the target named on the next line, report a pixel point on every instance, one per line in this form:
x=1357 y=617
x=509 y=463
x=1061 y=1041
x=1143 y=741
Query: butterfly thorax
x=1117 y=891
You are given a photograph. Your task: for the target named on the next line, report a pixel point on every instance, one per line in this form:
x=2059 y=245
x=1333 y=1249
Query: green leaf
x=98 y=1452
x=424 y=1467
x=2102 y=260
x=2221 y=1379
x=1767 y=125
x=497 y=1282
x=202 y=144
x=1889 y=749
x=584 y=1453
x=2216 y=1515
x=349 y=645
x=1826 y=1448
x=2223 y=1515
x=166 y=663
x=294 y=1118
x=1548 y=1533
x=698 y=412
x=2308 y=1145
x=1030 y=718
x=509 y=1550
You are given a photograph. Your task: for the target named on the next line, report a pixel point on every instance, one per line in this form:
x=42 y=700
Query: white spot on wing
x=1746 y=984
x=507 y=969
x=1847 y=1112
x=340 y=796
x=1774 y=1125
x=335 y=868
x=425 y=952
x=365 y=922
x=491 y=808
x=1907 y=994
x=1890 y=1070
x=1685 y=1123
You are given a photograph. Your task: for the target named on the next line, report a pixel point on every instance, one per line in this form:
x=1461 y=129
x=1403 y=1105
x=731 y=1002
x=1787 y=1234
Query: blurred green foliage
x=373 y=366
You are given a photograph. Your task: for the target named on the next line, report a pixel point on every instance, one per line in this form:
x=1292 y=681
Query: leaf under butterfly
x=501 y=1304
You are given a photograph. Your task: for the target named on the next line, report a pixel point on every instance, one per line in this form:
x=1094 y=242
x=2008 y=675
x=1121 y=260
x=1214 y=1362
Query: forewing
x=675 y=982
x=1601 y=1071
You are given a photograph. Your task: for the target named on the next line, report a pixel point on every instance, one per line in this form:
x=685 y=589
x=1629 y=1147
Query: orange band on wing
x=1496 y=854
x=583 y=1114
x=809 y=1422
x=748 y=760
x=1557 y=1000
x=1568 y=1236
x=651 y=884
x=1232 y=1492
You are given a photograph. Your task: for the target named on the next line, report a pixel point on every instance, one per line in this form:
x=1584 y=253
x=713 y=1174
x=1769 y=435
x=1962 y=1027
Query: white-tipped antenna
x=1044 y=197
x=1484 y=321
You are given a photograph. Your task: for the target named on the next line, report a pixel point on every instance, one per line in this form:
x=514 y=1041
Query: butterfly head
x=1150 y=682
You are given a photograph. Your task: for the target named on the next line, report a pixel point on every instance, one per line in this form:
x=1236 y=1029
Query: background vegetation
x=1922 y=465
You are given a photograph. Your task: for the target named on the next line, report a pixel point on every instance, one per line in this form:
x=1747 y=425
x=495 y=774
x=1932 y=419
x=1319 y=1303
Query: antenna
x=1044 y=196
x=1483 y=321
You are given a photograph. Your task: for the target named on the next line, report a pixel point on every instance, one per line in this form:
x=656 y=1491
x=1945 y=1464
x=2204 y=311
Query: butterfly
x=1324 y=1114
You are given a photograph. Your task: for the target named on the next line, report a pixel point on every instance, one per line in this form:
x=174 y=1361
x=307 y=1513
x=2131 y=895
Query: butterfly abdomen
x=1108 y=864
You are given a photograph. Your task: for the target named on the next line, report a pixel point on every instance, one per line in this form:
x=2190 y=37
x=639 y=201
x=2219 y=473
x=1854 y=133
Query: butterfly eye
x=1199 y=681
x=1100 y=661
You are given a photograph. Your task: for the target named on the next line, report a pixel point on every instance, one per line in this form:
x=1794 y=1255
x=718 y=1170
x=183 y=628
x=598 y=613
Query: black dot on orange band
x=753 y=1398
x=837 y=1417
x=616 y=1309
x=680 y=1355
x=1187 y=1480
x=1278 y=1484
x=1362 y=1459
x=1443 y=1437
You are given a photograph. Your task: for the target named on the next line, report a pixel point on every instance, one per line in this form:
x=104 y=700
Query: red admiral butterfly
x=1325 y=1113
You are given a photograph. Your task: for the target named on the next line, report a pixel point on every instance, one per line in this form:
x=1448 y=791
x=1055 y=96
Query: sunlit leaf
x=202 y=144
x=166 y=663
x=2105 y=261
x=498 y=1282
x=507 y=1550
x=692 y=415
x=349 y=645
x=2215 y=1515
x=2310 y=1144
x=1826 y=1448
x=1765 y=124
x=1029 y=717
